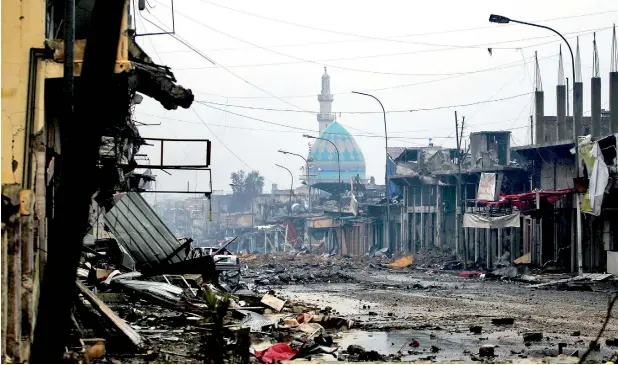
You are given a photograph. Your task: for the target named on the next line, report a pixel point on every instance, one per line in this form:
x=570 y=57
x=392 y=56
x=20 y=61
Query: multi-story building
x=70 y=79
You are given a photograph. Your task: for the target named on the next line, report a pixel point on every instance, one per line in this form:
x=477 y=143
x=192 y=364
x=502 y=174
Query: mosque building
x=324 y=169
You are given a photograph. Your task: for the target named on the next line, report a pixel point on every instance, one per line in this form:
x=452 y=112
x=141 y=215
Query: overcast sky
x=410 y=54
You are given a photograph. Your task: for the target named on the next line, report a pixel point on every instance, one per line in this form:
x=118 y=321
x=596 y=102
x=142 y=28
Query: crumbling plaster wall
x=23 y=27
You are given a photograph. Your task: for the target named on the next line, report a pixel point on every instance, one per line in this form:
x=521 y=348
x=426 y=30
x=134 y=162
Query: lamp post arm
x=575 y=113
x=555 y=31
x=306 y=173
x=291 y=186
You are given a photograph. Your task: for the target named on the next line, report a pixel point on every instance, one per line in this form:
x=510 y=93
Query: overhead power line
x=367 y=37
x=175 y=36
x=188 y=45
x=504 y=66
x=200 y=118
x=306 y=44
x=298 y=130
x=209 y=103
x=225 y=146
x=397 y=54
x=320 y=63
x=397 y=132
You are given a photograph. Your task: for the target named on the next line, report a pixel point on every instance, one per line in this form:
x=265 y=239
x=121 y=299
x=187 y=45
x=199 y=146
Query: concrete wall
x=578 y=107
x=564 y=174
x=595 y=106
x=613 y=100
x=539 y=116
x=561 y=112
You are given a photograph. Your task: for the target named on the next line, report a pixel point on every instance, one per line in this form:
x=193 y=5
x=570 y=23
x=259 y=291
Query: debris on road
x=401 y=262
x=358 y=353
x=487 y=351
x=130 y=334
x=503 y=321
x=276 y=353
x=593 y=278
x=613 y=342
x=532 y=336
x=469 y=274
x=273 y=302
x=180 y=312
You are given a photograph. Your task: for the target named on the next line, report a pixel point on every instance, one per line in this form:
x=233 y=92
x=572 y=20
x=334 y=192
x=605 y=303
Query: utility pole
x=462 y=206
x=386 y=185
x=459 y=207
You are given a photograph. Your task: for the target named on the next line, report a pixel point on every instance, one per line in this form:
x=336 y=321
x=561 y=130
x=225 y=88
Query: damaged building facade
x=521 y=200
x=65 y=140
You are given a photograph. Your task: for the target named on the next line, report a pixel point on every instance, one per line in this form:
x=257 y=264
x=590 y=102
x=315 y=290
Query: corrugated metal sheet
x=157 y=289
x=140 y=231
x=395 y=152
x=255 y=321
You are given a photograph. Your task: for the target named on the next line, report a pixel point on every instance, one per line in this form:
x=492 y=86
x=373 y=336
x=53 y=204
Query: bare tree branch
x=594 y=343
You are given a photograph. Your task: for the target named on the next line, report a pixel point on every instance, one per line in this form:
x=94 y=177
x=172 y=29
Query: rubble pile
x=133 y=317
x=301 y=269
x=434 y=259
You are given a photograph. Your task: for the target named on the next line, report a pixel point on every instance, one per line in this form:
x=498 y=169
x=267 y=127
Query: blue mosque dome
x=324 y=156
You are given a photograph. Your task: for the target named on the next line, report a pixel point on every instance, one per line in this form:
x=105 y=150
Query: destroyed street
x=322 y=308
x=266 y=182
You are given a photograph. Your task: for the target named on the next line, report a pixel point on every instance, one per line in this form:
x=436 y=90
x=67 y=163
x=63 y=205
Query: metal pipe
x=386 y=187
x=31 y=99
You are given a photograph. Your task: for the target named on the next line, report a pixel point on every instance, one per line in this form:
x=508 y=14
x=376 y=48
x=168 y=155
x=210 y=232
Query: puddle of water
x=343 y=305
x=452 y=345
x=391 y=342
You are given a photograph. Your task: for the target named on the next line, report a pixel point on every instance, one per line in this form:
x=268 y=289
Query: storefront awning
x=473 y=220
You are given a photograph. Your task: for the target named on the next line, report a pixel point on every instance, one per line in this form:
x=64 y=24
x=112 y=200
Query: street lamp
x=493 y=18
x=306 y=171
x=338 y=163
x=291 y=186
x=388 y=227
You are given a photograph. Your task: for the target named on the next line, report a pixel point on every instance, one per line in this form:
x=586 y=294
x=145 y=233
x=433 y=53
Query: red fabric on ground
x=467 y=274
x=277 y=352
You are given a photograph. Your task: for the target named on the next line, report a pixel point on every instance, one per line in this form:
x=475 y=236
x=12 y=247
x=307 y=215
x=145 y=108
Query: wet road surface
x=437 y=310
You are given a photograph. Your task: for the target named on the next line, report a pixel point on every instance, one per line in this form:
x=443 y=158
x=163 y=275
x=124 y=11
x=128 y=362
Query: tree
x=246 y=187
x=254 y=184
x=238 y=182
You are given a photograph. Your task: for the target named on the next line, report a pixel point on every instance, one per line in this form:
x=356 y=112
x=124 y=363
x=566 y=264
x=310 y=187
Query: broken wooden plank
x=556 y=282
x=591 y=277
x=273 y=302
x=121 y=325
